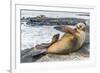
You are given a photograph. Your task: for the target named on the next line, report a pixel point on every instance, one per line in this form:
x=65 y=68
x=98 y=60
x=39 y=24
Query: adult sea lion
x=71 y=41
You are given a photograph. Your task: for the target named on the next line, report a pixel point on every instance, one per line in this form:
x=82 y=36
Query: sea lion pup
x=71 y=41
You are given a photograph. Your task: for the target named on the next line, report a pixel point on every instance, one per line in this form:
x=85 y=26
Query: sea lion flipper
x=59 y=28
x=55 y=38
x=65 y=29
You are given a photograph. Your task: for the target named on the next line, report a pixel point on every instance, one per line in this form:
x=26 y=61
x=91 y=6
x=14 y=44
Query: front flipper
x=66 y=29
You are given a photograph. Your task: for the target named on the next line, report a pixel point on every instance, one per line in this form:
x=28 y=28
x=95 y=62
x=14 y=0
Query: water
x=31 y=36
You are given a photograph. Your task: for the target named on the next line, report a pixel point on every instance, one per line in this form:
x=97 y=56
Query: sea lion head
x=81 y=26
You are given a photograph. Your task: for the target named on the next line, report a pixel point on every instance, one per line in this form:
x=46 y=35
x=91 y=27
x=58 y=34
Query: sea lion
x=71 y=41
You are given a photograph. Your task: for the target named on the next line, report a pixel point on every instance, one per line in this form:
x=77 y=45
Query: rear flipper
x=55 y=38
